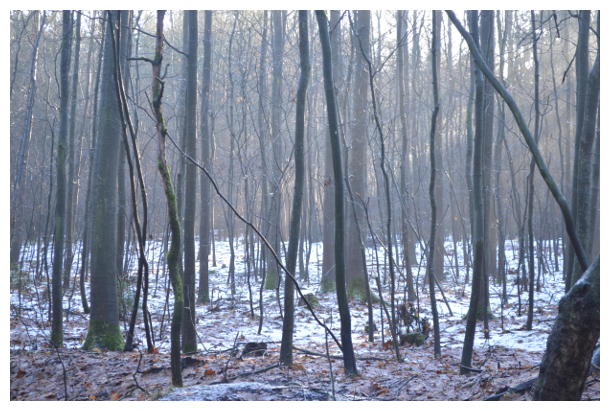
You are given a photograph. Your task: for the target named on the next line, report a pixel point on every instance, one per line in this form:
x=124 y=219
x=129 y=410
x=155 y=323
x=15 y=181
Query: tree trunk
x=57 y=331
x=272 y=279
x=530 y=180
x=349 y=359
x=572 y=340
x=299 y=182
x=582 y=68
x=104 y=329
x=189 y=335
x=173 y=256
x=327 y=283
x=404 y=158
x=432 y=148
x=477 y=235
x=204 y=228
x=354 y=266
x=585 y=158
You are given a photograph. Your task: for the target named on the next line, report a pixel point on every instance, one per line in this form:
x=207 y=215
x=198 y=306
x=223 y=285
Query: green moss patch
x=102 y=335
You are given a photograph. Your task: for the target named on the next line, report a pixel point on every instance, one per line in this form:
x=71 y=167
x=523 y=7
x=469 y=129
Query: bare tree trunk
x=189 y=335
x=354 y=268
x=477 y=235
x=104 y=329
x=582 y=68
x=57 y=337
x=173 y=256
x=585 y=158
x=433 y=224
x=299 y=182
x=530 y=179
x=404 y=158
x=349 y=359
x=272 y=280
x=204 y=228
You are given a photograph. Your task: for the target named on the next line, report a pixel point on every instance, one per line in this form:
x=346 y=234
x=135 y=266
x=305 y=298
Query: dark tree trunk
x=299 y=182
x=349 y=359
x=327 y=283
x=477 y=235
x=530 y=181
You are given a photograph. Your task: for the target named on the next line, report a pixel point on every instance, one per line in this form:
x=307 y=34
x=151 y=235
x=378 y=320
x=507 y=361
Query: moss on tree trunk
x=103 y=334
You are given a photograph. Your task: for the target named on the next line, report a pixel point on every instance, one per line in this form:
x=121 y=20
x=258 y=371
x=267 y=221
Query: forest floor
x=219 y=372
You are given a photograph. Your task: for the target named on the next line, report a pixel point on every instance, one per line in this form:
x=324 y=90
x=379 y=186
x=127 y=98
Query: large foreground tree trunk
x=104 y=329
x=572 y=340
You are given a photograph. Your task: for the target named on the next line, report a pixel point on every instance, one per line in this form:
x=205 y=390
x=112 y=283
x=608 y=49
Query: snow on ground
x=218 y=323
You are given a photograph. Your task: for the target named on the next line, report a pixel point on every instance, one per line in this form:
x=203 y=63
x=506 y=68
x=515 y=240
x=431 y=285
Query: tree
x=299 y=183
x=477 y=202
x=402 y=48
x=432 y=148
x=57 y=332
x=582 y=68
x=328 y=282
x=173 y=256
x=189 y=335
x=530 y=179
x=104 y=329
x=272 y=279
x=355 y=268
x=349 y=359
x=585 y=161
x=204 y=221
